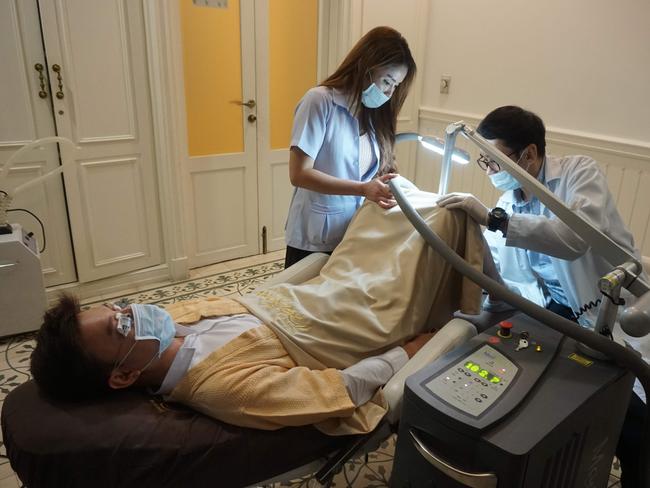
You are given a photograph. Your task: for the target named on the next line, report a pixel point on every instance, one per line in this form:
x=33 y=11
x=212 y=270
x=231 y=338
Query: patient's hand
x=417 y=343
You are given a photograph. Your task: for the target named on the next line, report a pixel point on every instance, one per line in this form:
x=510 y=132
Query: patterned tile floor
x=224 y=279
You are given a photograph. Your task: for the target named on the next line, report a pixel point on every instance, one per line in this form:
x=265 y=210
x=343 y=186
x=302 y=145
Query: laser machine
x=535 y=402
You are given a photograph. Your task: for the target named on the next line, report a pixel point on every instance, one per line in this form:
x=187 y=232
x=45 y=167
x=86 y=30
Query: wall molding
x=627 y=148
x=162 y=33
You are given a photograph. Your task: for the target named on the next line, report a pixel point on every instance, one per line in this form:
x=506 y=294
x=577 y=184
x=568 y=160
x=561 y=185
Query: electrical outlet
x=445 y=81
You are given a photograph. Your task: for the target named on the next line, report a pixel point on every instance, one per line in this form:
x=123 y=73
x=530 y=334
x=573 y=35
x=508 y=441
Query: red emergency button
x=504 y=329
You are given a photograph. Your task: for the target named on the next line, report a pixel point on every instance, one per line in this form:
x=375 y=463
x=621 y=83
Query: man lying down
x=313 y=353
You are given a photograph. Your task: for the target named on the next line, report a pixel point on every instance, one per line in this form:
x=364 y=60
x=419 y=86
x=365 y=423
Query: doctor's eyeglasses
x=484 y=162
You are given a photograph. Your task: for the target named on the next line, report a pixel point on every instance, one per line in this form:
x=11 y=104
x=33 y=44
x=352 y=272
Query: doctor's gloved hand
x=467 y=202
x=378 y=191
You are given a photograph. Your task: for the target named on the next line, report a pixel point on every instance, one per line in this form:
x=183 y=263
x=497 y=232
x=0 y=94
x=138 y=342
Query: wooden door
x=97 y=63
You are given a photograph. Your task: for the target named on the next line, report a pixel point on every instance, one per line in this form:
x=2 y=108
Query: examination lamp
x=434 y=144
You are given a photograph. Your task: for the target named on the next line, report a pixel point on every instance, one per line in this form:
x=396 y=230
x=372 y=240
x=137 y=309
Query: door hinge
x=264 y=238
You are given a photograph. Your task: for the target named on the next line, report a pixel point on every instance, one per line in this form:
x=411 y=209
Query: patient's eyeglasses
x=124 y=319
x=484 y=162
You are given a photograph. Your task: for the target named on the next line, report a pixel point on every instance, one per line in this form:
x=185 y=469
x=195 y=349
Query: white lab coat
x=582 y=186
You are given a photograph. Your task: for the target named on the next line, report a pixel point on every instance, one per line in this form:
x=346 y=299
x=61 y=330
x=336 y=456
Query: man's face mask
x=151 y=323
x=504 y=181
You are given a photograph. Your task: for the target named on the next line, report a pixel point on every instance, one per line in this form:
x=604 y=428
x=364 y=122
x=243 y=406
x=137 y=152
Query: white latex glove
x=467 y=202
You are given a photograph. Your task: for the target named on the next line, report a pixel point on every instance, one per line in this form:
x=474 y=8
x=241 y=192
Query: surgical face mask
x=373 y=97
x=151 y=323
x=504 y=181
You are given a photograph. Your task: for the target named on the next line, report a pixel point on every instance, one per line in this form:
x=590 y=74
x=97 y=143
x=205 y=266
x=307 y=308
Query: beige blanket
x=382 y=285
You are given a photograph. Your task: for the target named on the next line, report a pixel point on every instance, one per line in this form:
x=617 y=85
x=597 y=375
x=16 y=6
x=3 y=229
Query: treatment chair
x=133 y=439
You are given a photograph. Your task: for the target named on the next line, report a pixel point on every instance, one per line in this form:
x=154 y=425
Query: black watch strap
x=497 y=219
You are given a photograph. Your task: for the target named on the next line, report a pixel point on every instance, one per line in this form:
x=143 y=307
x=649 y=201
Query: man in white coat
x=538 y=255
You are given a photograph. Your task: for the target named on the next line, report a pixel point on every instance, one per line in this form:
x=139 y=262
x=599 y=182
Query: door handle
x=57 y=69
x=41 y=79
x=249 y=104
x=252 y=118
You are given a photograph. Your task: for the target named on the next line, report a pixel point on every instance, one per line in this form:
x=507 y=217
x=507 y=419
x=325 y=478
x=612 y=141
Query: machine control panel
x=480 y=382
x=475 y=382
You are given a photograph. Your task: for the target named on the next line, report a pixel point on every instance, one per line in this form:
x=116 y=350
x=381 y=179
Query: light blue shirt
x=325 y=130
x=540 y=263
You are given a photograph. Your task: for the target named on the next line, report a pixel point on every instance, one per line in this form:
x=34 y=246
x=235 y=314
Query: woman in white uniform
x=342 y=142
x=537 y=254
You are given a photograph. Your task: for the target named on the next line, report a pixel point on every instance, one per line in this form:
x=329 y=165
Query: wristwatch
x=497 y=218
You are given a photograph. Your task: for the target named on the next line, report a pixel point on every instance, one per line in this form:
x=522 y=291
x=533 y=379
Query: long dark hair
x=380 y=47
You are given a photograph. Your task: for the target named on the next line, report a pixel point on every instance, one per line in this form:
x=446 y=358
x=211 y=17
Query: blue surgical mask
x=373 y=97
x=504 y=181
x=151 y=323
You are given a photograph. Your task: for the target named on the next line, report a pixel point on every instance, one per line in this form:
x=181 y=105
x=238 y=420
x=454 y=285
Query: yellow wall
x=293 y=48
x=212 y=64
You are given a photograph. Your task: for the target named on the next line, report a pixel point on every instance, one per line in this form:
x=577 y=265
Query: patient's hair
x=60 y=365
x=378 y=48
x=516 y=127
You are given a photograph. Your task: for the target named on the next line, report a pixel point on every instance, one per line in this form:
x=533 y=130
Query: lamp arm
x=602 y=244
x=450 y=142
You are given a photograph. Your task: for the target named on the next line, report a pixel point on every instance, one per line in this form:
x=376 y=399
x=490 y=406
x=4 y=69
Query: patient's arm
x=364 y=378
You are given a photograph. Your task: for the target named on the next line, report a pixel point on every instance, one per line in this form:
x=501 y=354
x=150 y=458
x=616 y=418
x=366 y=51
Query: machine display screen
x=473 y=383
x=483 y=373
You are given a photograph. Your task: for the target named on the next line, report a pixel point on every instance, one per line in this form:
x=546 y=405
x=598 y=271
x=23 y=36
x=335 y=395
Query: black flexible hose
x=619 y=354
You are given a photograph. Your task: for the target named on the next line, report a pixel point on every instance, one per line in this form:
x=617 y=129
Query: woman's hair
x=380 y=47
x=60 y=366
x=516 y=127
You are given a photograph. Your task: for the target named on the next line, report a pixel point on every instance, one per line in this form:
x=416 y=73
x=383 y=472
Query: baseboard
x=115 y=285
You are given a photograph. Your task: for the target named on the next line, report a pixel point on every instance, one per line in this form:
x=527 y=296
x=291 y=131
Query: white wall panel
x=219 y=209
x=17 y=117
x=101 y=84
x=102 y=206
